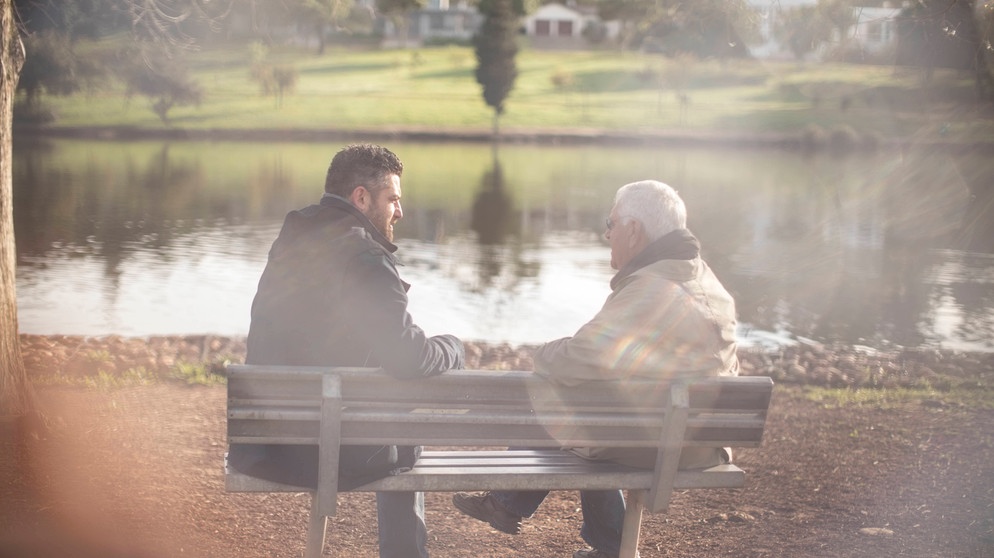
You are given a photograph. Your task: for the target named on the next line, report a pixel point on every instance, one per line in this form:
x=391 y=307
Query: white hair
x=656 y=206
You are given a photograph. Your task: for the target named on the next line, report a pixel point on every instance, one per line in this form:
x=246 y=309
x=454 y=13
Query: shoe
x=594 y=553
x=485 y=508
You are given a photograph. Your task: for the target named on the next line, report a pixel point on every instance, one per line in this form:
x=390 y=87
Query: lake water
x=150 y=238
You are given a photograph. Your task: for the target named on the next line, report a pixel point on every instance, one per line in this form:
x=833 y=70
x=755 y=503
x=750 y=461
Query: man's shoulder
x=675 y=270
x=327 y=224
x=309 y=239
x=359 y=246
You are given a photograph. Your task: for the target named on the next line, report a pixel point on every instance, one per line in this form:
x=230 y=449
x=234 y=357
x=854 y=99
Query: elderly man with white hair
x=667 y=317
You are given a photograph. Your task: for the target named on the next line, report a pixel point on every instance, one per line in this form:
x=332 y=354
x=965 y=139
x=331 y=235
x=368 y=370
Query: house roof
x=559 y=11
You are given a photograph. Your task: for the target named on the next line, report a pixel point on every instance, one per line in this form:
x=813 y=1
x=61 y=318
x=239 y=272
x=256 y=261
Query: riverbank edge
x=80 y=360
x=804 y=140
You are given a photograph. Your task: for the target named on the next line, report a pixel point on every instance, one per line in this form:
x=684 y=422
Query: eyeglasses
x=611 y=223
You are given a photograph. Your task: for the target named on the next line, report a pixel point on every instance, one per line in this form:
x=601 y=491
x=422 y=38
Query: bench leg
x=315 y=531
x=633 y=524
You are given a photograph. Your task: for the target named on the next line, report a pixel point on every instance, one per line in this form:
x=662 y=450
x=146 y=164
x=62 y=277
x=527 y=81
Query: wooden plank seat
x=465 y=419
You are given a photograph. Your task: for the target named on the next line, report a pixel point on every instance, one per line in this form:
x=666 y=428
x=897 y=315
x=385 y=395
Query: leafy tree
x=632 y=14
x=496 y=47
x=802 y=29
x=50 y=30
x=168 y=25
x=54 y=68
x=949 y=34
x=164 y=81
x=51 y=66
x=397 y=11
x=318 y=15
x=161 y=29
x=706 y=28
x=839 y=15
x=75 y=19
x=703 y=27
x=275 y=79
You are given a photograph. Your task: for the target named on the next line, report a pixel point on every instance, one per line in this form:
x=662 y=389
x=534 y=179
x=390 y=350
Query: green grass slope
x=629 y=93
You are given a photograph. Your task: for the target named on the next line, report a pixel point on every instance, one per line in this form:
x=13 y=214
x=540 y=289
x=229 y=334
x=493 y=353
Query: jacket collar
x=338 y=202
x=680 y=244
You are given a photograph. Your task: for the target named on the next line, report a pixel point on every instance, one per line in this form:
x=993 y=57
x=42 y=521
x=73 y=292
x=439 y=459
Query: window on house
x=565 y=28
x=542 y=27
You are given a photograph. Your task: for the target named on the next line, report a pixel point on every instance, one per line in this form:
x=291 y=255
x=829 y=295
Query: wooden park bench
x=466 y=419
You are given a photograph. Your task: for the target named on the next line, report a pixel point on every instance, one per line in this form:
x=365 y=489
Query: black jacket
x=331 y=296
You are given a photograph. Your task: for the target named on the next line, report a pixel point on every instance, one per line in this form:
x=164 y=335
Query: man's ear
x=360 y=198
x=637 y=238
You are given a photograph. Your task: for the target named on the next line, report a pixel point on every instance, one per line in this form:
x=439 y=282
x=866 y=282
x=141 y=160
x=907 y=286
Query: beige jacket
x=669 y=319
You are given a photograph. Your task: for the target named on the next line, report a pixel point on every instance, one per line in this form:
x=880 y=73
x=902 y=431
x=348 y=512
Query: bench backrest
x=282 y=405
x=486 y=408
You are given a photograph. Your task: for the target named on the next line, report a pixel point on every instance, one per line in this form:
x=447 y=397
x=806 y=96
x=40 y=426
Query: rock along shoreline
x=79 y=360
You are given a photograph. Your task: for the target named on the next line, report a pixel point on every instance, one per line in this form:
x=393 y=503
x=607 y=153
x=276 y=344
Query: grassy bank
x=434 y=88
x=832 y=375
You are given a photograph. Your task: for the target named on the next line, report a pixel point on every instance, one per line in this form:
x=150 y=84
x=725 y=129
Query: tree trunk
x=319 y=33
x=15 y=398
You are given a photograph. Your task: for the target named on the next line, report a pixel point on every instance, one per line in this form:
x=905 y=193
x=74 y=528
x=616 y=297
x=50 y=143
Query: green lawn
x=435 y=88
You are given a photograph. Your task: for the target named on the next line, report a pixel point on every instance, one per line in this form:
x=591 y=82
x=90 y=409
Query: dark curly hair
x=364 y=165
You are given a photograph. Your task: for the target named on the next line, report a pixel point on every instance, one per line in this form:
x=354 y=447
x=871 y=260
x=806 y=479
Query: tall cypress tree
x=496 y=46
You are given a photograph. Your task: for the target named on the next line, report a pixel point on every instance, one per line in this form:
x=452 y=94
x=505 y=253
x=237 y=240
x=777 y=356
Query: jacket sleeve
x=629 y=336
x=376 y=302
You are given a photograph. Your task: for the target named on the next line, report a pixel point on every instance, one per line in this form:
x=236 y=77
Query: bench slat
x=467 y=416
x=275 y=440
x=503 y=479
x=721 y=476
x=503 y=388
x=485 y=458
x=495 y=434
x=508 y=429
x=273 y=412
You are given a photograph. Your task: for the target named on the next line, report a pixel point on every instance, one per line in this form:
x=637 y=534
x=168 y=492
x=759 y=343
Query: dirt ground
x=137 y=472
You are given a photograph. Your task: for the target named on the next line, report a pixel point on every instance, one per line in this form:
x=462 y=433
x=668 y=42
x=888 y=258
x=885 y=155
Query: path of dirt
x=136 y=471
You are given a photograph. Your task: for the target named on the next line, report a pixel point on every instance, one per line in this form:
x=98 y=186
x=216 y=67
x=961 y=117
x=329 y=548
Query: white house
x=439 y=20
x=551 y=25
x=768 y=13
x=458 y=23
x=565 y=24
x=555 y=20
x=875 y=29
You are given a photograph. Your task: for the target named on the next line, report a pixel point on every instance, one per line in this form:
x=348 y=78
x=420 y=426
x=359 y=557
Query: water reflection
x=153 y=238
x=977 y=231
x=491 y=220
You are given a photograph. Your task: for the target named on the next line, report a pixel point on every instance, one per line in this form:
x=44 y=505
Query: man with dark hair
x=331 y=296
x=667 y=317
